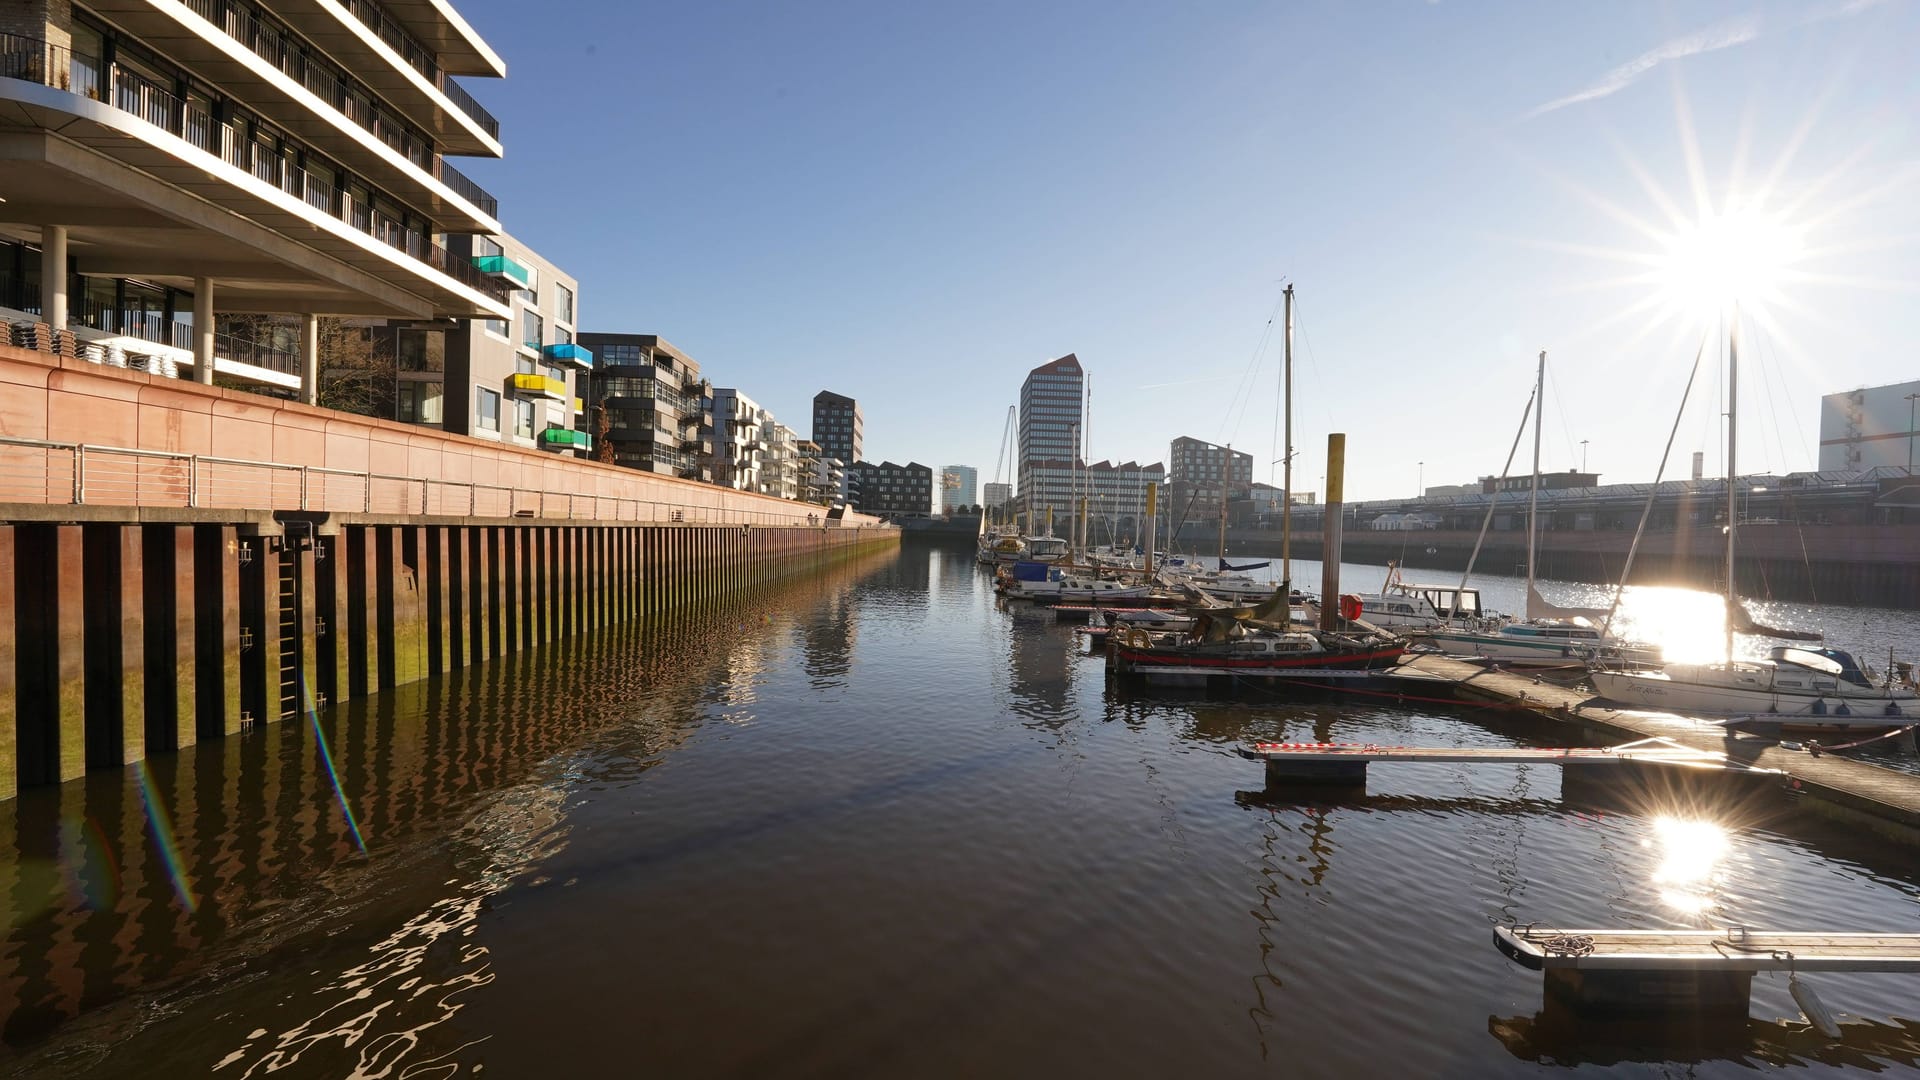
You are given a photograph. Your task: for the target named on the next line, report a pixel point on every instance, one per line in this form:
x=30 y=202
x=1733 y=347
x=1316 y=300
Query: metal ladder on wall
x=292 y=552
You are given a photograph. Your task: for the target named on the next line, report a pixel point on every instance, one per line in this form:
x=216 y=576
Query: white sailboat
x=1550 y=636
x=1806 y=689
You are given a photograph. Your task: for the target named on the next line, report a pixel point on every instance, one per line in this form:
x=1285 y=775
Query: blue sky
x=915 y=204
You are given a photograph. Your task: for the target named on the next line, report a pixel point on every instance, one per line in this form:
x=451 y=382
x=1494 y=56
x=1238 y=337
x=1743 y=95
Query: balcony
x=567 y=353
x=696 y=446
x=578 y=406
x=544 y=386
x=565 y=439
x=191 y=136
x=500 y=266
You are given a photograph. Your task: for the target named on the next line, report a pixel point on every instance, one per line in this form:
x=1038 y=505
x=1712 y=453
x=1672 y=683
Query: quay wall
x=154 y=614
x=1871 y=565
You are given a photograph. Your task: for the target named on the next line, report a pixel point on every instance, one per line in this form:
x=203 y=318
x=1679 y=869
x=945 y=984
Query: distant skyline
x=915 y=206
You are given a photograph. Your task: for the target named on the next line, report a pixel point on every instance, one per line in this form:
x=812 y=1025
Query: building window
x=563 y=303
x=533 y=329
x=486 y=409
x=523 y=419
x=421 y=350
x=496 y=327
x=420 y=403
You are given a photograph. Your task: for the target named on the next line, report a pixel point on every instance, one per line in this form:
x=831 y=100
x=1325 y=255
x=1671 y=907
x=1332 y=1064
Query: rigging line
x=1313 y=363
x=1653 y=489
x=1493 y=503
x=1243 y=392
x=1560 y=406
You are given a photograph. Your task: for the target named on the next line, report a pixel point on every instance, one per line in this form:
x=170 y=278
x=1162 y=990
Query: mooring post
x=1332 y=526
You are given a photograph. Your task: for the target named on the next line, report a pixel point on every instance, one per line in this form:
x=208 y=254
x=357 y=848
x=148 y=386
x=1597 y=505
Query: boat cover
x=1030 y=571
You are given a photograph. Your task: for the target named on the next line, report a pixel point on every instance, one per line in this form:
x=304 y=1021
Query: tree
x=357 y=369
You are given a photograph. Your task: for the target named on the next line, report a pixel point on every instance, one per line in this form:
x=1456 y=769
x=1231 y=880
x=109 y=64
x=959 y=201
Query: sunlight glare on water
x=1690 y=862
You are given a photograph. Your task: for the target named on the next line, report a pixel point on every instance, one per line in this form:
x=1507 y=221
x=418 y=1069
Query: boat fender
x=1819 y=707
x=1350 y=607
x=1843 y=710
x=1812 y=1007
x=1891 y=710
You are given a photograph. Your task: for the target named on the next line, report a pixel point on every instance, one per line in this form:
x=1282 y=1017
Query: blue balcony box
x=566 y=353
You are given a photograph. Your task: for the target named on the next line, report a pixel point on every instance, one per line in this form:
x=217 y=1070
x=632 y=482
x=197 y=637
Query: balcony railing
x=421 y=58
x=275 y=45
x=33 y=60
x=465 y=103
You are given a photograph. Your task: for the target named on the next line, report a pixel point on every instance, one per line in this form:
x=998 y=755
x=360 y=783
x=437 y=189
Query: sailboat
x=1802 y=689
x=999 y=542
x=1550 y=636
x=1264 y=641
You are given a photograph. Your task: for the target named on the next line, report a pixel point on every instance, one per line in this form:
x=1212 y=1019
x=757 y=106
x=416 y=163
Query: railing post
x=79 y=475
x=473 y=499
x=303 y=488
x=423 y=495
x=366 y=493
x=193 y=481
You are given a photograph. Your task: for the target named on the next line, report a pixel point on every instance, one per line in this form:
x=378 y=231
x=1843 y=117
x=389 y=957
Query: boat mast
x=1286 y=464
x=1733 y=415
x=1533 y=498
x=1226 y=473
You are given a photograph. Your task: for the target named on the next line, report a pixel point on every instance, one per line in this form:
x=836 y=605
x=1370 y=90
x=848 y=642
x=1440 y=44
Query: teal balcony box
x=565 y=439
x=566 y=353
x=503 y=267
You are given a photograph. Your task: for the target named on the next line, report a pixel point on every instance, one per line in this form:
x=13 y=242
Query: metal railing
x=33 y=60
x=275 y=45
x=41 y=472
x=421 y=59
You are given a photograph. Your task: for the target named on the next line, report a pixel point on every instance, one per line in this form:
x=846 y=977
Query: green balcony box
x=565 y=439
x=501 y=266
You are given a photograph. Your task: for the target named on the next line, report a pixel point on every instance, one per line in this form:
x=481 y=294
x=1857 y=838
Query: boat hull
x=1809 y=711
x=1185 y=668
x=1540 y=653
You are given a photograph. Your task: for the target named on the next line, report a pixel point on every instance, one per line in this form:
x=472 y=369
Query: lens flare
x=1690 y=855
x=160 y=829
x=93 y=874
x=1737 y=255
x=326 y=758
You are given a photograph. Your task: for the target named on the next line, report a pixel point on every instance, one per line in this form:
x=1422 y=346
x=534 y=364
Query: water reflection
x=201 y=866
x=1690 y=857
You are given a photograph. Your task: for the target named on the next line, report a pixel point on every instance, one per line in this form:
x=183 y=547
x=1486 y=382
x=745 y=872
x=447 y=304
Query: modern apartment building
x=739 y=438
x=959 y=486
x=1198 y=472
x=517 y=380
x=838 y=426
x=823 y=479
x=1050 y=436
x=889 y=489
x=167 y=161
x=780 y=460
x=647 y=407
x=994 y=496
x=1116 y=495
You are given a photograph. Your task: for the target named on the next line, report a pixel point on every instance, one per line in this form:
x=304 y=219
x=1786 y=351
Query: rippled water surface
x=875 y=824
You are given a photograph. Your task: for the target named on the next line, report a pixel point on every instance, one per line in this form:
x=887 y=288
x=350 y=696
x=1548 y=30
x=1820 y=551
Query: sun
x=1740 y=255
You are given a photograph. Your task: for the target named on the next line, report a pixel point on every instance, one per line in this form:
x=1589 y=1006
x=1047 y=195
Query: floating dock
x=1346 y=763
x=1841 y=788
x=1696 y=972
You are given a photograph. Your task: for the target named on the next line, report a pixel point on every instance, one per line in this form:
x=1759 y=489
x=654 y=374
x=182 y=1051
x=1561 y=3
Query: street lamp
x=1910 y=400
x=1421 y=488
x=1583 y=455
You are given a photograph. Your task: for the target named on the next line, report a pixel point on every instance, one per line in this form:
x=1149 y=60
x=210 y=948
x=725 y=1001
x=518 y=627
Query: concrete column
x=203 y=331
x=53 y=275
x=310 y=359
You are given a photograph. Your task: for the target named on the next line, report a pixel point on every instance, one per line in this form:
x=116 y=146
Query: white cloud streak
x=1712 y=39
x=1719 y=36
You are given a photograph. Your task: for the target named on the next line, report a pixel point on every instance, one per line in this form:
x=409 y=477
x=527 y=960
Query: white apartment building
x=168 y=161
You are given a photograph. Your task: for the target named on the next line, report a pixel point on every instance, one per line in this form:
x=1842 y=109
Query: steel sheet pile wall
x=119 y=640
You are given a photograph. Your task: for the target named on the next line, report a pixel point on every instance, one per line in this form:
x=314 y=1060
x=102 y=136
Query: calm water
x=873 y=825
